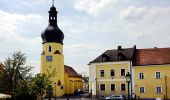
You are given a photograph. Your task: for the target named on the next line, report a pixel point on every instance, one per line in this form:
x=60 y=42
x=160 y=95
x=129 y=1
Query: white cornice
x=112 y=80
x=106 y=63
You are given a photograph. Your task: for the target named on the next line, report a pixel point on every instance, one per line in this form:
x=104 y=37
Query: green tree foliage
x=17 y=73
x=4 y=86
x=39 y=84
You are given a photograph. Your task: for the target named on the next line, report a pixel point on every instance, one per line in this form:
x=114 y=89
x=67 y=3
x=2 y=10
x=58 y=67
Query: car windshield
x=116 y=96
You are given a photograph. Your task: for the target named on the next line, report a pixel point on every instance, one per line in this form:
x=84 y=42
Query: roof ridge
x=153 y=48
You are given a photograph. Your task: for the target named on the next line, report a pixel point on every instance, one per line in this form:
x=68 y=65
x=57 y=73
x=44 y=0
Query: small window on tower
x=49 y=49
x=49 y=58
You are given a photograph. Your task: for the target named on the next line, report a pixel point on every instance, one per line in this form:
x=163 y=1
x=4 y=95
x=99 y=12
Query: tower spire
x=53 y=3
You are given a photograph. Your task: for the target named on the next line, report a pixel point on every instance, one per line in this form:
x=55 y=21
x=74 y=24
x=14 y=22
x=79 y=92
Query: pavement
x=72 y=99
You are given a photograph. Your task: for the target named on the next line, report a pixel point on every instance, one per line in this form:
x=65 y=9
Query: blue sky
x=90 y=27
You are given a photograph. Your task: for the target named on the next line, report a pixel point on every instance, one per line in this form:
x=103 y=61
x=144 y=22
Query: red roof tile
x=153 y=56
x=70 y=71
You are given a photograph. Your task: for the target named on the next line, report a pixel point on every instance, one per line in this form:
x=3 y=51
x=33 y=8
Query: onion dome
x=52 y=33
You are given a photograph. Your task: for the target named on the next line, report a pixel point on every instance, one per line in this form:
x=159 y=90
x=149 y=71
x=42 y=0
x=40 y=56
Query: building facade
x=152 y=73
x=107 y=72
x=149 y=69
x=73 y=81
x=65 y=80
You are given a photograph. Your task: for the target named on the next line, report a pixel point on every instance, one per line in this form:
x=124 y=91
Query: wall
x=107 y=79
x=72 y=84
x=56 y=65
x=150 y=82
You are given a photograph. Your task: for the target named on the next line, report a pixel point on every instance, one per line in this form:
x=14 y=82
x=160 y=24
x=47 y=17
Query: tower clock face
x=49 y=58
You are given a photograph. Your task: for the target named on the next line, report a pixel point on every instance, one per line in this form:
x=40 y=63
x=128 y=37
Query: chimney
x=134 y=46
x=119 y=47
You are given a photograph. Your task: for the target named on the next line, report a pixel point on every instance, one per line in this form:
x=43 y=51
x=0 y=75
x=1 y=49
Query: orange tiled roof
x=153 y=56
x=70 y=71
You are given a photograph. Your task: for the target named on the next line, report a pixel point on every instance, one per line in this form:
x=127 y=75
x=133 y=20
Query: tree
x=39 y=84
x=17 y=73
x=4 y=86
x=84 y=76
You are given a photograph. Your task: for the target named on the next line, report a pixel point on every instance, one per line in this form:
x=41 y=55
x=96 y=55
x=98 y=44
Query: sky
x=90 y=27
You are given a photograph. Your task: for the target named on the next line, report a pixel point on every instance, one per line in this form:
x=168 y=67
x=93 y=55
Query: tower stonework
x=52 y=58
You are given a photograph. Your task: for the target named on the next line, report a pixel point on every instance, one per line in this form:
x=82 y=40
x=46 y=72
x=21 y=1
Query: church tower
x=52 y=59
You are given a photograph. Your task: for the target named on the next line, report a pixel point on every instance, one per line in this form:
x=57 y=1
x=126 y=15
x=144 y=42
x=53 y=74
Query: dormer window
x=105 y=57
x=121 y=57
x=49 y=49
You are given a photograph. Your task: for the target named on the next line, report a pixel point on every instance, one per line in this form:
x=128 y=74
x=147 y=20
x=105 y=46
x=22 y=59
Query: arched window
x=49 y=49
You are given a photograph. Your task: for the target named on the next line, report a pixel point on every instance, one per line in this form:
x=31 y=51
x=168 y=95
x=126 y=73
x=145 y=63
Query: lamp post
x=128 y=78
x=55 y=90
x=96 y=87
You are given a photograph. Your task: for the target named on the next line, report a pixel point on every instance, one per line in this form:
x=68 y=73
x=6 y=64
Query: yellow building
x=73 y=81
x=149 y=69
x=52 y=59
x=152 y=73
x=107 y=72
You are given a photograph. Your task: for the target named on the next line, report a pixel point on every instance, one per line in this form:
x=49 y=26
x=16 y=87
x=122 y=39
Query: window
x=141 y=89
x=112 y=72
x=112 y=87
x=158 y=75
x=102 y=73
x=102 y=87
x=141 y=75
x=49 y=58
x=103 y=58
x=122 y=72
x=159 y=89
x=121 y=57
x=122 y=87
x=49 y=49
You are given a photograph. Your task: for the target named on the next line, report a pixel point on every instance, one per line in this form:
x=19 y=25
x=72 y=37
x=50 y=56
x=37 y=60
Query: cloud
x=147 y=23
x=90 y=27
x=93 y=7
x=81 y=53
x=13 y=37
x=133 y=13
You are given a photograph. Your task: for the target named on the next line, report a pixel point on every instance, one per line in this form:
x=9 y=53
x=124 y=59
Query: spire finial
x=53 y=3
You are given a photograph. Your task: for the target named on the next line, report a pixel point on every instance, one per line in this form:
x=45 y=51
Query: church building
x=66 y=79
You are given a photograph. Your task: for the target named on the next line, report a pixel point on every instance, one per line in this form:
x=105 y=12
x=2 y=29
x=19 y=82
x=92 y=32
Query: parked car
x=116 y=97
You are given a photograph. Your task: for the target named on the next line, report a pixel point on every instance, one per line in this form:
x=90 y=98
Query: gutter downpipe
x=131 y=83
x=165 y=87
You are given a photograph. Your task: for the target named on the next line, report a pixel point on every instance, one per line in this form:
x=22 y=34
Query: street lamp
x=128 y=78
x=55 y=90
x=96 y=87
